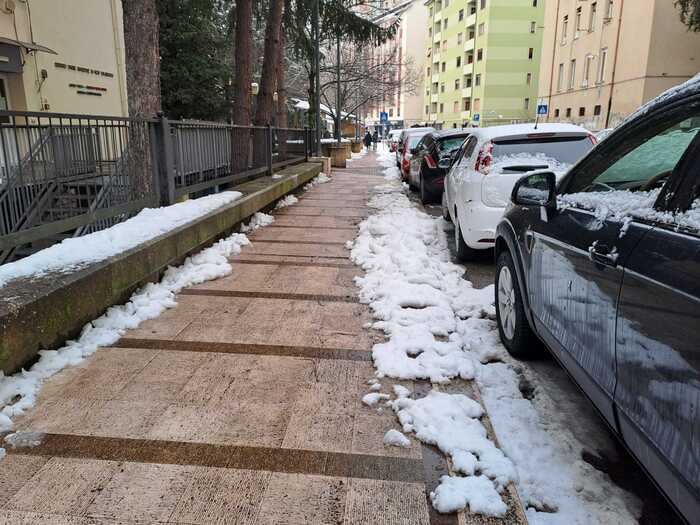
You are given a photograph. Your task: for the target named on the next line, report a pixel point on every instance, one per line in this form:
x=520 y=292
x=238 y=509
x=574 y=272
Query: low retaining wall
x=45 y=312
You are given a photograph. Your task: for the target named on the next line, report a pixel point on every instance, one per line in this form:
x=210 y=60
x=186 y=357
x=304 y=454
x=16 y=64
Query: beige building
x=405 y=106
x=602 y=59
x=64 y=56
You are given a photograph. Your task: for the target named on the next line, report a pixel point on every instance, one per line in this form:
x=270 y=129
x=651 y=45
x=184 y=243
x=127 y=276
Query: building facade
x=603 y=59
x=62 y=56
x=404 y=107
x=483 y=61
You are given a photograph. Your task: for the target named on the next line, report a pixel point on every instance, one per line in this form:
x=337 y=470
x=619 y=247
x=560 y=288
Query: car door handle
x=602 y=254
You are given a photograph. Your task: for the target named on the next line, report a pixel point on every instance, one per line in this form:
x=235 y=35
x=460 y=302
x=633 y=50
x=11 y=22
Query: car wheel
x=464 y=252
x=515 y=331
x=426 y=196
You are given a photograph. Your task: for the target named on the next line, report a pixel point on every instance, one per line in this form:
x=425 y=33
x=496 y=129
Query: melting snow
x=287 y=201
x=395 y=438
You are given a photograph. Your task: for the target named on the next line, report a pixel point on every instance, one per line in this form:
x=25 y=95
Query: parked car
x=393 y=139
x=411 y=138
x=402 y=140
x=604 y=268
x=430 y=161
x=478 y=186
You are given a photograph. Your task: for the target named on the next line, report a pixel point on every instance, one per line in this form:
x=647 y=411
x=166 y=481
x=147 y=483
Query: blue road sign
x=542 y=109
x=476 y=117
x=384 y=117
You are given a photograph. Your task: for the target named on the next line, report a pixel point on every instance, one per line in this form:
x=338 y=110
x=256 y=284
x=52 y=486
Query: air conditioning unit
x=8 y=6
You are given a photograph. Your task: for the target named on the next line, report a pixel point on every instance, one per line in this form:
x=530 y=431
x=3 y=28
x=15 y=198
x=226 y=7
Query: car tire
x=513 y=327
x=445 y=210
x=426 y=196
x=464 y=252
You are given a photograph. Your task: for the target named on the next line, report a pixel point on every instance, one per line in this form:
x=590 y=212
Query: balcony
x=469 y=44
x=434 y=97
x=468 y=69
x=435 y=78
x=466 y=92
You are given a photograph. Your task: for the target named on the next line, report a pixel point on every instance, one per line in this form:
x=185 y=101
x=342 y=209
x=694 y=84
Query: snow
x=373 y=398
x=18 y=392
x=258 y=220
x=75 y=253
x=286 y=201
x=529 y=159
x=319 y=179
x=439 y=327
x=494 y=132
x=395 y=438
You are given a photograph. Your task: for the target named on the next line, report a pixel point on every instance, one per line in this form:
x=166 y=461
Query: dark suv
x=604 y=268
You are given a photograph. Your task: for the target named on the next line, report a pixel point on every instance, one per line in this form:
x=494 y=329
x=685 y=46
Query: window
x=572 y=74
x=444 y=45
x=455 y=106
x=568 y=112
x=471 y=34
x=477 y=80
x=438 y=26
x=443 y=66
x=577 y=23
x=434 y=107
x=467 y=81
x=483 y=4
x=435 y=87
x=431 y=13
x=648 y=154
x=533 y=26
x=430 y=32
x=596 y=110
x=461 y=15
x=556 y=113
x=528 y=79
x=560 y=79
x=479 y=55
x=427 y=109
x=534 y=3
x=457 y=85
x=442 y=87
x=467 y=104
x=427 y=72
x=459 y=61
x=470 y=58
x=530 y=53
x=442 y=107
x=482 y=28
x=526 y=104
x=582 y=112
x=609 y=10
x=601 y=66
x=444 y=24
x=592 y=17
x=459 y=38
x=564 y=29
x=391 y=112
x=588 y=63
x=477 y=105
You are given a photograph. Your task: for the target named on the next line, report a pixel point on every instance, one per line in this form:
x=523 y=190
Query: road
x=604 y=451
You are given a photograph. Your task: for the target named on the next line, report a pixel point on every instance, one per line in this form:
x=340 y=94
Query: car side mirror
x=400 y=149
x=445 y=163
x=413 y=151
x=538 y=189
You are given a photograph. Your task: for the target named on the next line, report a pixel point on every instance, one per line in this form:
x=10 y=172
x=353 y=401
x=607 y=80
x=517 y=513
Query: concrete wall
x=88 y=37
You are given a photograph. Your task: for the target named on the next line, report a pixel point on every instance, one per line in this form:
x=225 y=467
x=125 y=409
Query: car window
x=467 y=151
x=450 y=144
x=565 y=150
x=642 y=164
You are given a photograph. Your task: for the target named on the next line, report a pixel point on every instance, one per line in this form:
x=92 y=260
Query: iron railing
x=64 y=175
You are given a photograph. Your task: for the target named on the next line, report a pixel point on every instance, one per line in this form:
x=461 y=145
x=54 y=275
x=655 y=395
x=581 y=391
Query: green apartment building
x=483 y=61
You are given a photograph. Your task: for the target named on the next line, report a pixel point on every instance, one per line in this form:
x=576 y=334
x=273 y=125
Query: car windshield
x=450 y=144
x=414 y=140
x=566 y=150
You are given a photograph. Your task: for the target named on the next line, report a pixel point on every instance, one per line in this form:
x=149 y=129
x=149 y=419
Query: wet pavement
x=240 y=405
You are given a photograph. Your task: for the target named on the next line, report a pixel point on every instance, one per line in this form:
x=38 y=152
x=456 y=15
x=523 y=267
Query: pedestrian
x=375 y=139
x=367 y=140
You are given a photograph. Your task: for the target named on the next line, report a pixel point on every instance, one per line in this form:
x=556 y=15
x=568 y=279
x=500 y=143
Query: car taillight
x=484 y=159
x=593 y=139
x=430 y=162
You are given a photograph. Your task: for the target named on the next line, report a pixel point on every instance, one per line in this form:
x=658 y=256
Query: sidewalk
x=240 y=405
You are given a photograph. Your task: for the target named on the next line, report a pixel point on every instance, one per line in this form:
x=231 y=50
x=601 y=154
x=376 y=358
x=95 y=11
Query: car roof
x=524 y=130
x=459 y=132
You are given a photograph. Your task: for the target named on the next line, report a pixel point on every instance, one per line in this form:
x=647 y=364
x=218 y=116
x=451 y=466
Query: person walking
x=375 y=139
x=367 y=140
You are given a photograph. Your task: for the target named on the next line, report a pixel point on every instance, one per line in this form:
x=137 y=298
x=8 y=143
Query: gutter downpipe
x=612 y=79
x=554 y=53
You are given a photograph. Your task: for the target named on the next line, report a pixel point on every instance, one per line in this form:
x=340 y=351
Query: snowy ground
x=441 y=328
x=18 y=392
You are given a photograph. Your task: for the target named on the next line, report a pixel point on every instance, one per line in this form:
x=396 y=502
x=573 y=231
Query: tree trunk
x=281 y=99
x=142 y=54
x=240 y=138
x=271 y=64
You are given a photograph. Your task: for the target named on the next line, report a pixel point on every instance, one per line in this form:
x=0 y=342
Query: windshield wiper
x=525 y=167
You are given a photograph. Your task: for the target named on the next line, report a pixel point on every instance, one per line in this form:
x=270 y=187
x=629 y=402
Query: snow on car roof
x=509 y=130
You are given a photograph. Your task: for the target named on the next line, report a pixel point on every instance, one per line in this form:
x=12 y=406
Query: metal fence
x=67 y=175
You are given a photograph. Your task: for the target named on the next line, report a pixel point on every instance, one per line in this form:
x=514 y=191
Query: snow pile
x=555 y=485
x=624 y=206
x=18 y=392
x=387 y=159
x=72 y=254
x=530 y=159
x=287 y=201
x=356 y=156
x=258 y=220
x=394 y=438
x=373 y=398
x=319 y=179
x=451 y=423
x=439 y=327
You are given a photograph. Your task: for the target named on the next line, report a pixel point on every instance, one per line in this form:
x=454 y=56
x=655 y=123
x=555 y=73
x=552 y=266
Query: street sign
x=476 y=117
x=384 y=117
x=542 y=109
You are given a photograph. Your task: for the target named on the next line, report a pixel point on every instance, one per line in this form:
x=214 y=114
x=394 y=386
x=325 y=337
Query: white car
x=490 y=162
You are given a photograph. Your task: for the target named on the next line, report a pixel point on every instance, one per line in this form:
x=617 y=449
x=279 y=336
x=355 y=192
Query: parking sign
x=384 y=117
x=476 y=117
